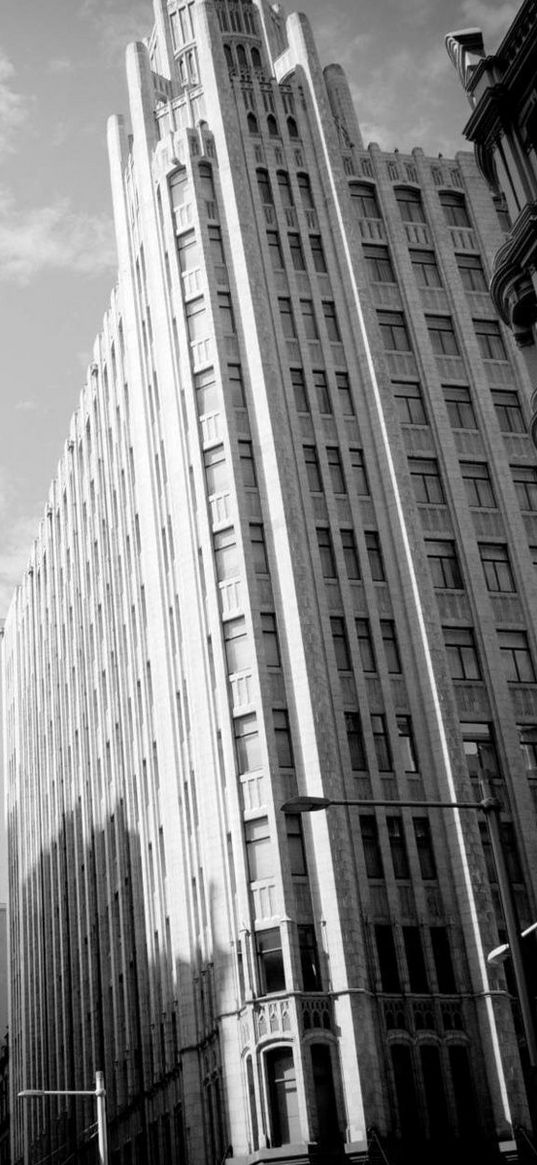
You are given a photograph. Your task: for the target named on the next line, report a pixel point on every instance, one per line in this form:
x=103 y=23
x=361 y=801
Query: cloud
x=13 y=107
x=60 y=65
x=117 y=22
x=18 y=533
x=493 y=19
x=405 y=113
x=52 y=238
x=27 y=406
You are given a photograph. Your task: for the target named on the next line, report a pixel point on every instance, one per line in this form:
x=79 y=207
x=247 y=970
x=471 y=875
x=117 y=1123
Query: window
x=425 y=268
x=287 y=318
x=359 y=472
x=409 y=403
x=246 y=457
x=317 y=254
x=331 y=321
x=297 y=254
x=443 y=564
x=295 y=845
x=259 y=849
x=381 y=742
x=326 y=552
x=264 y=187
x=270 y=640
x=309 y=958
x=299 y=389
x=226 y=312
x=217 y=249
x=379 y=264
x=238 y=648
x=284 y=185
x=459 y=406
x=292 y=127
x=442 y=335
x=471 y=272
x=355 y=741
x=336 y=470
x=445 y=976
x=216 y=471
x=344 y=390
x=247 y=746
x=424 y=845
x=426 y=480
x=478 y=485
x=374 y=554
x=410 y=205
x=489 y=338
x=282 y=733
x=511 y=854
x=284 y=1113
x=516 y=656
x=393 y=331
x=365 y=645
x=259 y=552
x=396 y=835
x=391 y=649
x=270 y=960
x=341 y=647
x=308 y=319
x=417 y=975
x=387 y=956
x=312 y=469
x=479 y=749
x=406 y=743
x=275 y=250
x=226 y=555
x=236 y=386
x=528 y=746
x=350 y=555
x=502 y=212
x=364 y=198
x=525 y=483
x=462 y=653
x=304 y=185
x=321 y=389
x=497 y=567
x=508 y=411
x=272 y=126
x=370 y=842
x=455 y=211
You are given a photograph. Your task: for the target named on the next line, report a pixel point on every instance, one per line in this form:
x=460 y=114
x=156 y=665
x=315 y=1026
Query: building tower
x=290 y=548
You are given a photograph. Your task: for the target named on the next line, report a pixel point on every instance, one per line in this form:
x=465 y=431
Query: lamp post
x=99 y=1095
x=491 y=807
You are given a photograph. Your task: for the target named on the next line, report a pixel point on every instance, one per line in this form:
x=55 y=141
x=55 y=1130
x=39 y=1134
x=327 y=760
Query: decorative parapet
x=511 y=287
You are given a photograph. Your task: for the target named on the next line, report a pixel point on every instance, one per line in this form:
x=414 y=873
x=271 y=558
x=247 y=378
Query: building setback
x=290 y=548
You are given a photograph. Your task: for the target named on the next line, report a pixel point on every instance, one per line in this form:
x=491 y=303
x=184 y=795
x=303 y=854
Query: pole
x=102 y=1135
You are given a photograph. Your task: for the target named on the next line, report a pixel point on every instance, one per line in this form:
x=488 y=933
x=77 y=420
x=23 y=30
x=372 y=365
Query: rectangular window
x=309 y=958
x=462 y=653
x=459 y=406
x=365 y=645
x=270 y=640
x=238 y=647
x=275 y=250
x=331 y=321
x=497 y=567
x=374 y=554
x=355 y=741
x=442 y=335
x=341 y=646
x=247 y=745
x=490 y=340
x=236 y=385
x=308 y=319
x=321 y=391
x=378 y=263
x=471 y=272
x=516 y=656
x=270 y=960
x=425 y=268
x=226 y=312
x=295 y=845
x=344 y=391
x=424 y=845
x=525 y=483
x=508 y=411
x=317 y=254
x=387 y=957
x=409 y=403
x=455 y=211
x=364 y=199
x=299 y=389
x=297 y=254
x=479 y=490
x=359 y=472
x=479 y=749
x=396 y=835
x=391 y=648
x=259 y=849
x=443 y=564
x=336 y=469
x=393 y=331
x=443 y=962
x=324 y=542
x=528 y=746
x=417 y=974
x=246 y=457
x=312 y=469
x=410 y=204
x=287 y=318
x=426 y=480
x=350 y=554
x=226 y=554
x=370 y=842
x=217 y=250
x=282 y=733
x=381 y=742
x=259 y=553
x=406 y=743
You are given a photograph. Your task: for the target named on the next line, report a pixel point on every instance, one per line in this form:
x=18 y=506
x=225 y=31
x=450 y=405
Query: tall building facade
x=290 y=549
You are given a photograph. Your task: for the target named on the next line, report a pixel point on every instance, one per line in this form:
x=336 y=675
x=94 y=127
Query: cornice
x=511 y=286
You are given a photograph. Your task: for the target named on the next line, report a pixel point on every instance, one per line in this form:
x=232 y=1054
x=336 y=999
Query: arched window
x=229 y=57
x=364 y=199
x=410 y=204
x=455 y=211
x=256 y=59
x=193 y=67
x=292 y=127
x=284 y=184
x=304 y=185
x=329 y=1132
x=283 y=1098
x=242 y=58
x=252 y=123
x=265 y=189
x=272 y=126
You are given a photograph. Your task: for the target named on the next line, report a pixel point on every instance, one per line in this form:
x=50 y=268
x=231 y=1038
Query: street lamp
x=99 y=1095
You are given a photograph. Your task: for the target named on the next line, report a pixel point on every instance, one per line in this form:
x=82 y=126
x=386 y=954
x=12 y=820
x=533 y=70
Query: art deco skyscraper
x=290 y=548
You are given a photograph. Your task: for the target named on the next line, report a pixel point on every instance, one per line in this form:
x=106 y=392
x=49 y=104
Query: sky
x=61 y=75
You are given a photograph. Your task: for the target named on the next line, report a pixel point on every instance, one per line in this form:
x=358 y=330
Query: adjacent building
x=291 y=547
